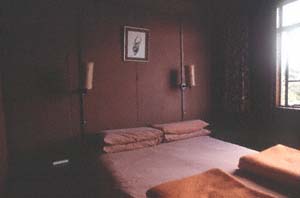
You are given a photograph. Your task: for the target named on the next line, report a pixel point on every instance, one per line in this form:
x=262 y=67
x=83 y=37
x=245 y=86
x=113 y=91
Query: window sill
x=282 y=108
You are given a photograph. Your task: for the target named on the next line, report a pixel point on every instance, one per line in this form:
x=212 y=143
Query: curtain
x=236 y=88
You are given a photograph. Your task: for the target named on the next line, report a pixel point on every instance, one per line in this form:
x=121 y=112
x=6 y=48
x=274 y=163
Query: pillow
x=131 y=135
x=174 y=137
x=181 y=127
x=131 y=146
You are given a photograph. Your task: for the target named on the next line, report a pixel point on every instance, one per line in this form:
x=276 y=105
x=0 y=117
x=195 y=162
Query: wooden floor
x=82 y=180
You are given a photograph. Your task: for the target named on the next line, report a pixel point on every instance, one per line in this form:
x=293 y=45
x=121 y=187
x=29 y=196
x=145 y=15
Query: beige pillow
x=181 y=127
x=130 y=135
x=174 y=137
x=131 y=146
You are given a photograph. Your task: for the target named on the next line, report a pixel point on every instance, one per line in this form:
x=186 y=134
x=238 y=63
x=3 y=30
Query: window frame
x=280 y=29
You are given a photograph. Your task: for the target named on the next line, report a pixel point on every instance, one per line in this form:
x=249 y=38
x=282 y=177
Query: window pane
x=290 y=52
x=277 y=18
x=279 y=51
x=285 y=43
x=291 y=13
x=278 y=48
x=281 y=70
x=294 y=93
x=282 y=93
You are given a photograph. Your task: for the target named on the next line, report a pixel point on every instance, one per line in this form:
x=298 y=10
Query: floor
x=80 y=180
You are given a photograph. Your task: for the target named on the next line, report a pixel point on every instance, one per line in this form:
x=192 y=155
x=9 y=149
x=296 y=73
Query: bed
x=134 y=172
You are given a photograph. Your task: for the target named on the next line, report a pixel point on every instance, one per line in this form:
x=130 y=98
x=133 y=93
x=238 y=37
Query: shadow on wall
x=53 y=82
x=174 y=79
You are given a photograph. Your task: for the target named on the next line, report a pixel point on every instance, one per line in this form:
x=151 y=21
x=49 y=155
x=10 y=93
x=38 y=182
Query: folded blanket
x=131 y=146
x=131 y=135
x=174 y=137
x=211 y=184
x=181 y=127
x=279 y=163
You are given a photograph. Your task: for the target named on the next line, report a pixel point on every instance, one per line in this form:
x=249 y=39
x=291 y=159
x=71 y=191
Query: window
x=288 y=54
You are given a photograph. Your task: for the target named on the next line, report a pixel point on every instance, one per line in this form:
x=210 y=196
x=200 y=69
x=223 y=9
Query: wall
x=40 y=77
x=3 y=138
x=45 y=42
x=3 y=148
x=129 y=94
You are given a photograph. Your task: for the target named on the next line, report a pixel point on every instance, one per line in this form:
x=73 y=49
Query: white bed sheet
x=138 y=170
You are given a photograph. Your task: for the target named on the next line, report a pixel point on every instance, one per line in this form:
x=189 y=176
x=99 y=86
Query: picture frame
x=136 y=44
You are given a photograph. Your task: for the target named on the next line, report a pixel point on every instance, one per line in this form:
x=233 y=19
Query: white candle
x=89 y=75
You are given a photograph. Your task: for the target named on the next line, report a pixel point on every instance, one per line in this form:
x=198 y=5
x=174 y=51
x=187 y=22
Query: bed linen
x=130 y=135
x=175 y=137
x=212 y=183
x=181 y=127
x=136 y=171
x=280 y=163
x=131 y=146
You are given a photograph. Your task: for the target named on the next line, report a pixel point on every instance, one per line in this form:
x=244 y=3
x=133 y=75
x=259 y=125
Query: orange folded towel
x=214 y=183
x=279 y=163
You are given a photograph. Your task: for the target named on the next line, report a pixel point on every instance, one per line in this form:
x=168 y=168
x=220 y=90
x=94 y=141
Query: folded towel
x=279 y=163
x=131 y=146
x=131 y=135
x=181 y=127
x=213 y=183
x=174 y=137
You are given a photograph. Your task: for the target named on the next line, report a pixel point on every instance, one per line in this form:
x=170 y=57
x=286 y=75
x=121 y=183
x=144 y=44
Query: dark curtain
x=236 y=90
x=231 y=56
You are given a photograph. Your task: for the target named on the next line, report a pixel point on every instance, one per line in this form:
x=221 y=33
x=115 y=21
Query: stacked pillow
x=183 y=130
x=118 y=140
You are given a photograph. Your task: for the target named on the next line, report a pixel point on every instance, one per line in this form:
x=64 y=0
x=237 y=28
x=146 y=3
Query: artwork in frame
x=136 y=44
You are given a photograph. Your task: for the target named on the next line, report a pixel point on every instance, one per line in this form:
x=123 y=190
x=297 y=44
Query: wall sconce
x=87 y=80
x=189 y=71
x=88 y=77
x=188 y=79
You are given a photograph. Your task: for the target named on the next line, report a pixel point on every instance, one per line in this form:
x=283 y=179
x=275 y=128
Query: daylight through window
x=288 y=54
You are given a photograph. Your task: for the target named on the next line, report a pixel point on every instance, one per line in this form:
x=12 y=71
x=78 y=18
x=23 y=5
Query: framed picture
x=136 y=44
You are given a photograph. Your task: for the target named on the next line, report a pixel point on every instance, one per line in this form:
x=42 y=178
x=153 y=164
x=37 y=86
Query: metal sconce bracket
x=83 y=91
x=83 y=123
x=183 y=86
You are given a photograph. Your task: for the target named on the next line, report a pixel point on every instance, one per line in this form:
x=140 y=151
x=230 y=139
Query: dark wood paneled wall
x=40 y=76
x=197 y=50
x=3 y=148
x=129 y=94
x=45 y=41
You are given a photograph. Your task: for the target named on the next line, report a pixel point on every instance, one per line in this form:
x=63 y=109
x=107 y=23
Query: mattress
x=134 y=172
